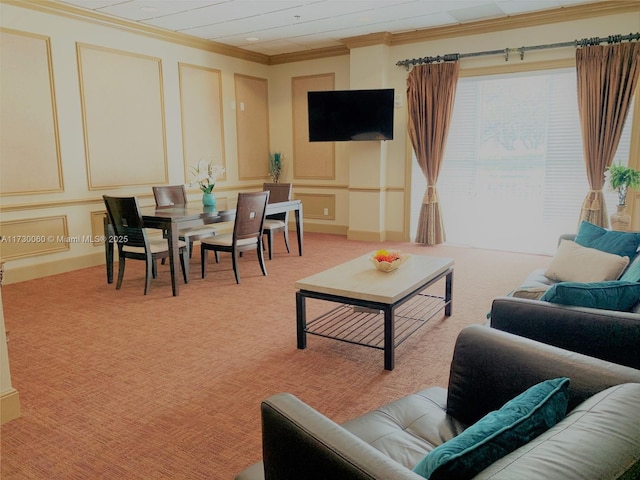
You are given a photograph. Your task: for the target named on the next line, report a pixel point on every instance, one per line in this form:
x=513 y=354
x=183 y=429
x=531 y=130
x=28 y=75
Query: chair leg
x=151 y=265
x=203 y=259
x=286 y=239
x=120 y=271
x=190 y=247
x=263 y=267
x=270 y=244
x=154 y=268
x=184 y=267
x=234 y=259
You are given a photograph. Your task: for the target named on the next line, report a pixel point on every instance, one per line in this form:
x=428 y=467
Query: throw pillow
x=632 y=273
x=615 y=295
x=575 y=263
x=624 y=244
x=532 y=293
x=498 y=433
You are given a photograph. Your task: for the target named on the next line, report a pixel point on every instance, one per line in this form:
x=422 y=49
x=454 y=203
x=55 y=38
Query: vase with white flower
x=205 y=174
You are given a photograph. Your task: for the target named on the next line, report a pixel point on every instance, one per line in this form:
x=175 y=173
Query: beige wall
x=366 y=173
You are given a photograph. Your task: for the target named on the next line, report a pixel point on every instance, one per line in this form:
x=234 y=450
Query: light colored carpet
x=115 y=384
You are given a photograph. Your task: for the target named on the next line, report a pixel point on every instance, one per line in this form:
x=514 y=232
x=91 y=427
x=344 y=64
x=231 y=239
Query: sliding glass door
x=513 y=176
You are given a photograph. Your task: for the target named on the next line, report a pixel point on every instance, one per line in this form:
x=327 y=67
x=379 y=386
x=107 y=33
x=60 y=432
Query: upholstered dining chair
x=170 y=195
x=134 y=242
x=247 y=233
x=278 y=222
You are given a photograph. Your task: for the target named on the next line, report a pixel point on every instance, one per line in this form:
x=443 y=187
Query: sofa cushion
x=613 y=295
x=624 y=244
x=575 y=263
x=597 y=439
x=498 y=433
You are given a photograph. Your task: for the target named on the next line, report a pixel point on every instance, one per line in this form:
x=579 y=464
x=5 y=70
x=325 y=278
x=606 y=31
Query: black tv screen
x=344 y=115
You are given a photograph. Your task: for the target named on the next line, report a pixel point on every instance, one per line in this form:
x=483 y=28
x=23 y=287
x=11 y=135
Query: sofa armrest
x=491 y=367
x=606 y=334
x=299 y=442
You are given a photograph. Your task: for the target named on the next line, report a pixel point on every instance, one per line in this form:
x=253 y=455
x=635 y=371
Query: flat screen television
x=345 y=115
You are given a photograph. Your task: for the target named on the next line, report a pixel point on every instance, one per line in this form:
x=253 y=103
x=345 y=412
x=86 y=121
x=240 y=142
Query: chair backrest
x=170 y=195
x=124 y=214
x=278 y=192
x=250 y=213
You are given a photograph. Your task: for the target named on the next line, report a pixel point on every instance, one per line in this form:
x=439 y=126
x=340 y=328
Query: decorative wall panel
x=252 y=126
x=34 y=236
x=29 y=145
x=201 y=109
x=123 y=117
x=318 y=205
x=311 y=159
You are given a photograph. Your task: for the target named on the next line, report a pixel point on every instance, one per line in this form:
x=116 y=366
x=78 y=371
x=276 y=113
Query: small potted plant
x=622 y=178
x=205 y=174
x=275 y=166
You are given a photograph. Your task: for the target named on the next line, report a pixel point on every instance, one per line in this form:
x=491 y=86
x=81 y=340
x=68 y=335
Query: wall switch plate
x=326 y=211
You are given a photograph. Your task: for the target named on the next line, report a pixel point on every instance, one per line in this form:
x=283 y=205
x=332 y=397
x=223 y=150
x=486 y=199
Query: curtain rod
x=451 y=57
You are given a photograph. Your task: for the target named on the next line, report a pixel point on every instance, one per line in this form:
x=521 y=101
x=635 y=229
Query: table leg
x=108 y=249
x=301 y=320
x=448 y=296
x=172 y=239
x=299 y=229
x=389 y=339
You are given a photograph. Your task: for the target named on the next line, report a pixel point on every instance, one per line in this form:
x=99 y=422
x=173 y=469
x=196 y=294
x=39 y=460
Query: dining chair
x=278 y=222
x=133 y=240
x=170 y=195
x=247 y=232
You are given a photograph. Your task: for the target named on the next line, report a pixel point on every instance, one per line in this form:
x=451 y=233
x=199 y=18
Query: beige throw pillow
x=575 y=263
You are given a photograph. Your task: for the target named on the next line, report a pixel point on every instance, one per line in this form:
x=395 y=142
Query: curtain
x=607 y=77
x=430 y=93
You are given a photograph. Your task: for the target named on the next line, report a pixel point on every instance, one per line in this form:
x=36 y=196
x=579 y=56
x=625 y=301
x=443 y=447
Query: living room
x=365 y=188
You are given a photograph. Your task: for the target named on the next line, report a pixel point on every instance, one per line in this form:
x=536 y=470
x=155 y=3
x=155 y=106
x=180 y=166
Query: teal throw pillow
x=632 y=273
x=613 y=295
x=498 y=433
x=624 y=244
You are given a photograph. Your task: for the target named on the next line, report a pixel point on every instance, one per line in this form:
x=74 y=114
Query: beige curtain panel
x=431 y=91
x=607 y=79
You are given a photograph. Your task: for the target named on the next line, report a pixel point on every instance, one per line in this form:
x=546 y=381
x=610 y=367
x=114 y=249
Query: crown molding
x=562 y=14
x=55 y=8
x=308 y=55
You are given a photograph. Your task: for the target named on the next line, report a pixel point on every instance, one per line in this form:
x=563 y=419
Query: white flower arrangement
x=206 y=173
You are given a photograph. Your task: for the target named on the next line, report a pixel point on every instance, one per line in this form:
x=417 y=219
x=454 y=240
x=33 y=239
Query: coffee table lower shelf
x=365 y=326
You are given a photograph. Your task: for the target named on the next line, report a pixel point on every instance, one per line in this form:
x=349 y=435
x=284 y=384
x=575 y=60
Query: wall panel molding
x=29 y=144
x=34 y=236
x=123 y=118
x=252 y=126
x=201 y=112
x=312 y=160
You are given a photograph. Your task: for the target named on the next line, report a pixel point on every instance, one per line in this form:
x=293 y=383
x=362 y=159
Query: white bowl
x=389 y=266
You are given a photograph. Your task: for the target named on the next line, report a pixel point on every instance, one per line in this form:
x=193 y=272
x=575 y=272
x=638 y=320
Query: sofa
x=597 y=438
x=582 y=322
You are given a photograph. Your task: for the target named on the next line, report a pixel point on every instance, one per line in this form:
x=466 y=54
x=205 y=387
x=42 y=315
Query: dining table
x=172 y=219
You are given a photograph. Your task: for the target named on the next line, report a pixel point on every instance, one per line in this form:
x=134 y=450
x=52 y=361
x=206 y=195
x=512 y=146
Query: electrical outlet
x=326 y=211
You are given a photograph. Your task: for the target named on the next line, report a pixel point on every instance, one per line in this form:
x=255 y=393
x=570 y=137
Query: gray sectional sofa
x=598 y=437
x=588 y=323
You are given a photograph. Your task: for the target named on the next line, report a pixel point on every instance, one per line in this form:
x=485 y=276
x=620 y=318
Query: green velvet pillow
x=632 y=273
x=614 y=295
x=624 y=244
x=498 y=433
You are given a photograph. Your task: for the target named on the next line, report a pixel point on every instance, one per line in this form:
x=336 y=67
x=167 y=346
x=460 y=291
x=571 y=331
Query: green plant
x=275 y=166
x=621 y=178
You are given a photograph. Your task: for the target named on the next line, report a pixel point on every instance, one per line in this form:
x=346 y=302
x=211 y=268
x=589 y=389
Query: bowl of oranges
x=388 y=260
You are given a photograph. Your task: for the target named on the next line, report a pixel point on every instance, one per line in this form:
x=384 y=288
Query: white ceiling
x=273 y=27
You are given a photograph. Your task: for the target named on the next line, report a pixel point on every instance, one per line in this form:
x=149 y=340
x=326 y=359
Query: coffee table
x=377 y=309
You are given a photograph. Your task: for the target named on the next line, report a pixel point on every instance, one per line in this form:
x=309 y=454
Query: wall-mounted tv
x=344 y=115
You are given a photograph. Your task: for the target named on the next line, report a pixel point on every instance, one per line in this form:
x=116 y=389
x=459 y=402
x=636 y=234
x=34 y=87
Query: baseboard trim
x=9 y=406
x=22 y=274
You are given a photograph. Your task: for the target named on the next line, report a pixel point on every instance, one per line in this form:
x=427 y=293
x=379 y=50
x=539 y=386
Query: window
x=513 y=175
